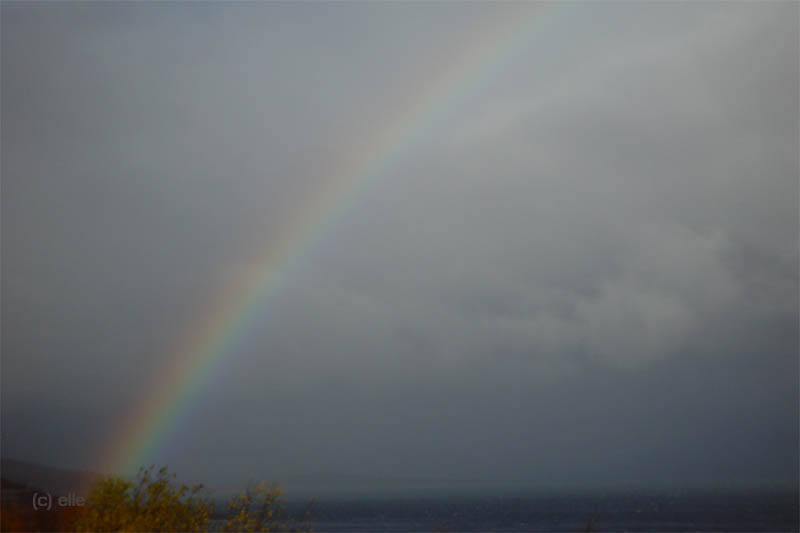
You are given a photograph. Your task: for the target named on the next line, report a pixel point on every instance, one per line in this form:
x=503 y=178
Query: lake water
x=766 y=510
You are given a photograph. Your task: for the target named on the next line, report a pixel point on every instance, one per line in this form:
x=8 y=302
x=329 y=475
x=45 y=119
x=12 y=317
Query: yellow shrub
x=155 y=502
x=151 y=503
x=259 y=508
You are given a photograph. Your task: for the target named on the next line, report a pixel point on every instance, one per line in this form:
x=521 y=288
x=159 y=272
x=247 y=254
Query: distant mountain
x=57 y=481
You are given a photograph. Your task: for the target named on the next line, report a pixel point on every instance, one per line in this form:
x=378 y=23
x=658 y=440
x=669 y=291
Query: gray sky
x=584 y=270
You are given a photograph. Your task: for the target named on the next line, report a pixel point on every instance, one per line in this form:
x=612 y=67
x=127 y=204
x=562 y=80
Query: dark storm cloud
x=584 y=272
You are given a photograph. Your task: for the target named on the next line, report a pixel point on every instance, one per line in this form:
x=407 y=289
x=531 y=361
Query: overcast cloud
x=584 y=270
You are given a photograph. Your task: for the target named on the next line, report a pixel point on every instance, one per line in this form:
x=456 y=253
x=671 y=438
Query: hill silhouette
x=57 y=481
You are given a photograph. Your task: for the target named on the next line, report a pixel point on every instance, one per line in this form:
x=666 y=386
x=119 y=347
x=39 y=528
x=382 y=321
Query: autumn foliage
x=154 y=501
x=259 y=508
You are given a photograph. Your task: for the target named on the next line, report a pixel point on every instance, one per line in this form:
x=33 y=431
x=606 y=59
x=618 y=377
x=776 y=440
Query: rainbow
x=208 y=338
